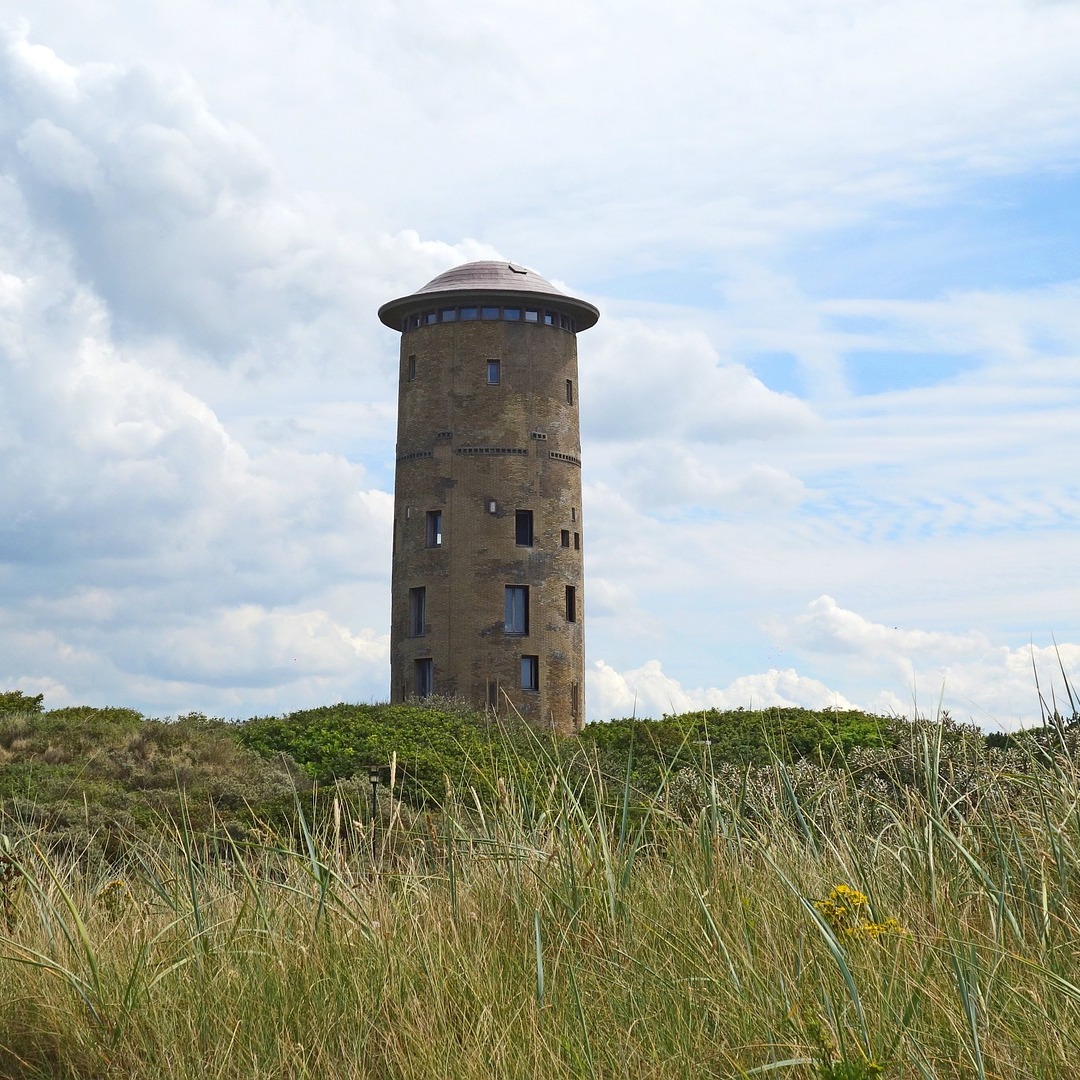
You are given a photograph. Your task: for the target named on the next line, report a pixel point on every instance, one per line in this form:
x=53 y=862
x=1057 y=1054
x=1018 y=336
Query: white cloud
x=993 y=684
x=655 y=132
x=648 y=691
x=200 y=215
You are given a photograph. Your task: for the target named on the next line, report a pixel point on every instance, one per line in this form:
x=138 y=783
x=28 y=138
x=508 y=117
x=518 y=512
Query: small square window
x=551 y=319
x=530 y=673
x=571 y=603
x=531 y=315
x=468 y=314
x=431 y=317
x=523 y=528
x=516 y=615
x=494 y=376
x=569 y=391
x=565 y=538
x=512 y=313
x=434 y=528
x=489 y=313
x=417 y=612
x=423 y=677
x=448 y=314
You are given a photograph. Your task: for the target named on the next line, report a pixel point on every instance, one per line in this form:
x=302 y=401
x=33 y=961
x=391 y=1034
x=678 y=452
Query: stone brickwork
x=487 y=428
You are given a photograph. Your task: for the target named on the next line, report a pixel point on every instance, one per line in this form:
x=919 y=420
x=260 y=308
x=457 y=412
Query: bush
x=432 y=741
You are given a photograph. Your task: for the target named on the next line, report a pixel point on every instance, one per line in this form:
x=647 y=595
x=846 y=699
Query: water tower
x=487 y=586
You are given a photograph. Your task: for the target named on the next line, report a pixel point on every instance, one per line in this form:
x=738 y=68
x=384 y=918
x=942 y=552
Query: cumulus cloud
x=143 y=549
x=993 y=684
x=643 y=382
x=197 y=416
x=648 y=691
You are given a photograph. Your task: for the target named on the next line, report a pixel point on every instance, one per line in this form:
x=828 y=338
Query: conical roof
x=484 y=281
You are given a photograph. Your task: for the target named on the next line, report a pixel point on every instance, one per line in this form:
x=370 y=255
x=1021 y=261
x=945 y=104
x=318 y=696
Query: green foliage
x=15 y=702
x=101 y=777
x=735 y=736
x=433 y=742
x=539 y=936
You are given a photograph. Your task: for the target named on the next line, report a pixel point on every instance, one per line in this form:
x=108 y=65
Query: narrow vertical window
x=577 y=541
x=573 y=513
x=516 y=613
x=417 y=611
x=575 y=703
x=571 y=603
x=523 y=528
x=530 y=673
x=564 y=538
x=569 y=391
x=434 y=528
x=423 y=681
x=412 y=367
x=494 y=372
x=493 y=694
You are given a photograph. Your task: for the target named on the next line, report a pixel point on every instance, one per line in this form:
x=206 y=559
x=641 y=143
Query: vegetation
x=891 y=899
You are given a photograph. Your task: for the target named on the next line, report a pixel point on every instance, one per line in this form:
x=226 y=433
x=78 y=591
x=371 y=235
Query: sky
x=830 y=414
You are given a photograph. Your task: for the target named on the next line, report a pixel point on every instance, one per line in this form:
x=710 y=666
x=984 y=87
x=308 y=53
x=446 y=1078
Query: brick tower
x=487 y=597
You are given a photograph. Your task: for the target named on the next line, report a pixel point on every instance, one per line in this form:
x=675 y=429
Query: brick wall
x=464 y=445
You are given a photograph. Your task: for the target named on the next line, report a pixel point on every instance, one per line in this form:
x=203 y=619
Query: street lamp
x=374 y=775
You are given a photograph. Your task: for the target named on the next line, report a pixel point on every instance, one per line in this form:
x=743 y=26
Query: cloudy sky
x=830 y=415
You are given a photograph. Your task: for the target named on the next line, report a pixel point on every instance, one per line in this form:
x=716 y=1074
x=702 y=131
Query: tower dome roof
x=483 y=281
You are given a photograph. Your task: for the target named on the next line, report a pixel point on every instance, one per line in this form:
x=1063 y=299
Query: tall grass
x=566 y=931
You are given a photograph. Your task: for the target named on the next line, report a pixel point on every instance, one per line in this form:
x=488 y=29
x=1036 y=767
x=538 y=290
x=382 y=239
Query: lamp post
x=374 y=775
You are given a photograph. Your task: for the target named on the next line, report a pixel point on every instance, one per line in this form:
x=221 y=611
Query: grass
x=550 y=932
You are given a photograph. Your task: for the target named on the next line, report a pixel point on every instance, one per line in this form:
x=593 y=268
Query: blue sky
x=830 y=415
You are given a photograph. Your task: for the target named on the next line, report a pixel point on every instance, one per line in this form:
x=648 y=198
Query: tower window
x=494 y=372
x=417 y=611
x=423 y=677
x=512 y=313
x=516 y=616
x=551 y=319
x=569 y=391
x=577 y=541
x=523 y=527
x=468 y=314
x=571 y=603
x=412 y=367
x=493 y=693
x=530 y=673
x=489 y=313
x=575 y=702
x=565 y=538
x=448 y=314
x=531 y=315
x=434 y=528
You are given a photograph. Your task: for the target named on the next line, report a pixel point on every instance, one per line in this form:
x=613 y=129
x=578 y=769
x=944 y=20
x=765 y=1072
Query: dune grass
x=558 y=931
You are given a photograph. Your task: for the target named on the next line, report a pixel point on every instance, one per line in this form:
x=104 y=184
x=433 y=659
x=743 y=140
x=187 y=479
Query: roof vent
x=517 y=269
